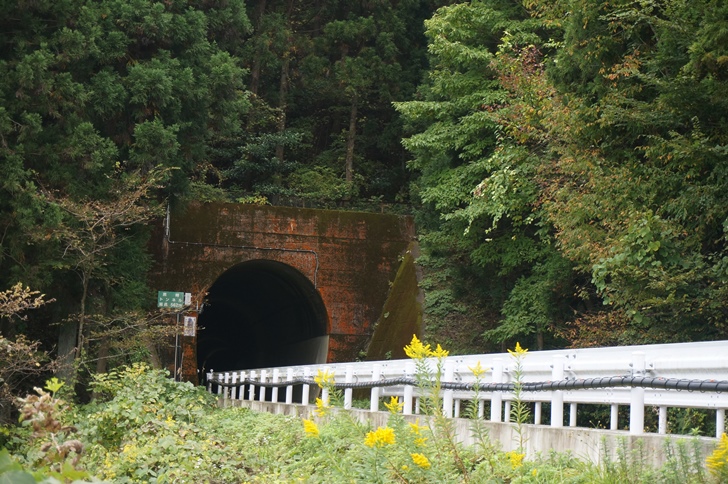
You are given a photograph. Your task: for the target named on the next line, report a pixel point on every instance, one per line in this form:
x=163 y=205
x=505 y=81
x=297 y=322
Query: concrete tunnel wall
x=277 y=285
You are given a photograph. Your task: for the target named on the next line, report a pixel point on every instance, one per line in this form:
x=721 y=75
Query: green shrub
x=144 y=427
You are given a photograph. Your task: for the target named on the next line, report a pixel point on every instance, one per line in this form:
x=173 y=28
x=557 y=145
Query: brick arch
x=350 y=258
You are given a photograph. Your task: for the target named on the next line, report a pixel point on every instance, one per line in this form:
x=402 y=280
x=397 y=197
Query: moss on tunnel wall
x=350 y=257
x=402 y=313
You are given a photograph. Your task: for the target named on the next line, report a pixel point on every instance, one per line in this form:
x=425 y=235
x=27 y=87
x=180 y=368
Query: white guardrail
x=682 y=375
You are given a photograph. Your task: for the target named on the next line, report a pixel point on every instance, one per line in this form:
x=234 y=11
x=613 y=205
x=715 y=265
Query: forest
x=566 y=161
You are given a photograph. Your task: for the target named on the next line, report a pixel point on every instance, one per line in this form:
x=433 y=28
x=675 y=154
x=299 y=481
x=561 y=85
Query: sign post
x=178 y=300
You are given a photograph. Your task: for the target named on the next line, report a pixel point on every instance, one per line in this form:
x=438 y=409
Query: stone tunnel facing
x=261 y=314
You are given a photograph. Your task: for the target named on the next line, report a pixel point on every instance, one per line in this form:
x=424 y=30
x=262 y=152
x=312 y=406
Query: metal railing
x=682 y=375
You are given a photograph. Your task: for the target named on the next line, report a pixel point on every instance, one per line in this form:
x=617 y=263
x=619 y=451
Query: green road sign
x=168 y=299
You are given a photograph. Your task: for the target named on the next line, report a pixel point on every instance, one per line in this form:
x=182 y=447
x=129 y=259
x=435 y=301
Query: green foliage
x=574 y=149
x=146 y=427
x=12 y=472
x=636 y=195
x=520 y=412
x=51 y=450
x=319 y=184
x=481 y=190
x=21 y=360
x=131 y=398
x=98 y=98
x=568 y=156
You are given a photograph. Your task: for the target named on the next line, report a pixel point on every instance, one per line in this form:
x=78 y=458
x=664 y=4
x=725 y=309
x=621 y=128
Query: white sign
x=190 y=326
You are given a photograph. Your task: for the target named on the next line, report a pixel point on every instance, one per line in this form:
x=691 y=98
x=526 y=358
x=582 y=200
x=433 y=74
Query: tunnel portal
x=278 y=285
x=261 y=314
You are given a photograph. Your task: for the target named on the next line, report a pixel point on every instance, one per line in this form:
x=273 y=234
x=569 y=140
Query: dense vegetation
x=566 y=160
x=572 y=155
x=144 y=427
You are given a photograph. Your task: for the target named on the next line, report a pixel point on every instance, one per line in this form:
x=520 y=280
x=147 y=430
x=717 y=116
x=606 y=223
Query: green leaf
x=16 y=477
x=53 y=385
x=11 y=472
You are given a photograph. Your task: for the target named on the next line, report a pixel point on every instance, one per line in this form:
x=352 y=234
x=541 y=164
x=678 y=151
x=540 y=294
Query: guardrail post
x=234 y=389
x=557 y=396
x=409 y=371
x=572 y=414
x=374 y=402
x=241 y=388
x=263 y=376
x=456 y=412
x=507 y=411
x=662 y=420
x=719 y=422
x=274 y=392
x=481 y=408
x=325 y=396
x=637 y=396
x=447 y=399
x=305 y=393
x=614 y=417
x=537 y=413
x=348 y=392
x=289 y=388
x=496 y=401
x=209 y=382
x=251 y=388
x=226 y=389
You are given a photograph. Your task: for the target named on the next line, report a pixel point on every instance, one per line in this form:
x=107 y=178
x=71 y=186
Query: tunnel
x=261 y=314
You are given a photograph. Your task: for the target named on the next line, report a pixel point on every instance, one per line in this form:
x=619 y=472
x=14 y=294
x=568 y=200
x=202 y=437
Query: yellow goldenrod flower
x=421 y=460
x=718 y=461
x=439 y=352
x=131 y=453
x=516 y=458
x=310 y=427
x=477 y=370
x=324 y=378
x=420 y=441
x=321 y=408
x=394 y=406
x=380 y=437
x=416 y=350
x=518 y=352
x=416 y=427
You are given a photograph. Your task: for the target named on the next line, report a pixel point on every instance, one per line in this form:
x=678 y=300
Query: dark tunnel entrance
x=261 y=314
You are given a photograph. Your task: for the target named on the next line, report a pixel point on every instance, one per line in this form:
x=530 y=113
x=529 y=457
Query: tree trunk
x=102 y=361
x=82 y=318
x=256 y=67
x=350 y=141
x=154 y=358
x=282 y=103
x=67 y=339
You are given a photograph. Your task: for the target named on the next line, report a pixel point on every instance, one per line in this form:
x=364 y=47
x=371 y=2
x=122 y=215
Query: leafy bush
x=145 y=427
x=20 y=358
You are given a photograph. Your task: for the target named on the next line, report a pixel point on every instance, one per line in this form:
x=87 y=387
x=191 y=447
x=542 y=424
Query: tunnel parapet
x=348 y=258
